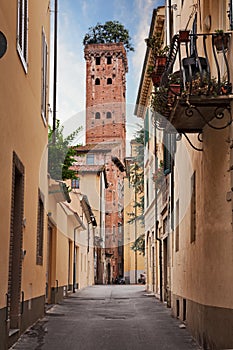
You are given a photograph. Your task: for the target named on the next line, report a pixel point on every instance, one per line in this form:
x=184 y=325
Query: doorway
x=16 y=242
x=165 y=269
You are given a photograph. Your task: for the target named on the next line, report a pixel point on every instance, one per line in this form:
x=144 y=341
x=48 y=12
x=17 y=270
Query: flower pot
x=184 y=36
x=221 y=42
x=174 y=89
x=156 y=78
x=160 y=61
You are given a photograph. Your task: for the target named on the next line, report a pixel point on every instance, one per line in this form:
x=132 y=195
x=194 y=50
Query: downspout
x=156 y=224
x=55 y=72
x=74 y=260
x=135 y=227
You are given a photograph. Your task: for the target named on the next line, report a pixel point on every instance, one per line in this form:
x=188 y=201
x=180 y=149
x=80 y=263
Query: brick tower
x=106 y=67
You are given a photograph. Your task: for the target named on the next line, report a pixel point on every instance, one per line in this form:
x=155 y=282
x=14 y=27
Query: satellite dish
x=3 y=44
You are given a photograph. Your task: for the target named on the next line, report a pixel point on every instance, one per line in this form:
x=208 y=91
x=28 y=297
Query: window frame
x=76 y=182
x=22 y=32
x=44 y=77
x=90 y=156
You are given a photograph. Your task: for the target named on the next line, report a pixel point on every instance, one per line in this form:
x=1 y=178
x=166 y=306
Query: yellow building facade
x=24 y=73
x=188 y=215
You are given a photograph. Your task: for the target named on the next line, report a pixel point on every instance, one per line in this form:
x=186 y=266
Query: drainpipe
x=55 y=72
x=74 y=260
x=160 y=261
x=156 y=224
x=135 y=227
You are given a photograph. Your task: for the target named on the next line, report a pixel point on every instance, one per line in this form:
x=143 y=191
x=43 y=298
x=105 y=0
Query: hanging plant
x=221 y=40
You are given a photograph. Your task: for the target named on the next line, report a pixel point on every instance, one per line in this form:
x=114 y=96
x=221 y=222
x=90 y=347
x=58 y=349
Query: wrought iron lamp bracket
x=191 y=144
x=218 y=114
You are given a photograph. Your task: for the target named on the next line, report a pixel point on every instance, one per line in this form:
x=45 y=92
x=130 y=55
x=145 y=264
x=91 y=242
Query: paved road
x=120 y=317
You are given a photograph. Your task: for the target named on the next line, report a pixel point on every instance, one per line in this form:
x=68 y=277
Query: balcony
x=195 y=88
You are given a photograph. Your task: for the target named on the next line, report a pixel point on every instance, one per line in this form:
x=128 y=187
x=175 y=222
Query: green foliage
x=136 y=177
x=60 y=154
x=110 y=32
x=155 y=43
x=139 y=245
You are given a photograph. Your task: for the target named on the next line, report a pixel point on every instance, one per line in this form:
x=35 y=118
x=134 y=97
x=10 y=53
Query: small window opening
x=97 y=115
x=109 y=115
x=97 y=81
x=97 y=61
x=177 y=308
x=109 y=60
x=109 y=81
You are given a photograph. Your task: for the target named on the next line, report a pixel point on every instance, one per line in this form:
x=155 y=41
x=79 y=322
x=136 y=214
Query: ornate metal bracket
x=218 y=114
x=192 y=145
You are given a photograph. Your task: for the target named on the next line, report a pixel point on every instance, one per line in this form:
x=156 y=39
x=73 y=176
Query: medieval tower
x=106 y=67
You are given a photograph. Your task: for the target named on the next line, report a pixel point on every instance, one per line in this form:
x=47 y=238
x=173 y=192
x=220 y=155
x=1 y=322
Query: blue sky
x=74 y=19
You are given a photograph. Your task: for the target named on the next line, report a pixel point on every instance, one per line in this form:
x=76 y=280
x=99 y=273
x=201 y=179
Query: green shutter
x=146 y=128
x=169 y=149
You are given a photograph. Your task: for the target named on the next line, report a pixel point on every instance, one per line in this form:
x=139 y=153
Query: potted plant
x=174 y=80
x=159 y=51
x=159 y=101
x=184 y=36
x=221 y=40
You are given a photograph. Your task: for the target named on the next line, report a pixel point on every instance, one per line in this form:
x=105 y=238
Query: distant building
x=106 y=67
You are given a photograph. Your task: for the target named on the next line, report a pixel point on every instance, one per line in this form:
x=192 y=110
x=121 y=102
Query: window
x=90 y=159
x=169 y=148
x=44 y=78
x=109 y=81
x=193 y=208
x=97 y=61
x=230 y=14
x=109 y=60
x=109 y=115
x=97 y=81
x=22 y=31
x=40 y=230
x=75 y=183
x=97 y=115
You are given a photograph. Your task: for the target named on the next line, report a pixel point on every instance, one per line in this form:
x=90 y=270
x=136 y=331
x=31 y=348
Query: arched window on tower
x=109 y=59
x=97 y=115
x=97 y=60
x=109 y=81
x=109 y=115
x=97 y=81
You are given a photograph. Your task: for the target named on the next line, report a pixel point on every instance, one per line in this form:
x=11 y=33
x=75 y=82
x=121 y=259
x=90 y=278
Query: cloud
x=71 y=65
x=144 y=10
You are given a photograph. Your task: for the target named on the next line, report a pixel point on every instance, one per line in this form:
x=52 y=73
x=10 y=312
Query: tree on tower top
x=110 y=32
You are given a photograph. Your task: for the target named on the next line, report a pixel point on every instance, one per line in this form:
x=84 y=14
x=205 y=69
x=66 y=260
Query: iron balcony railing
x=195 y=83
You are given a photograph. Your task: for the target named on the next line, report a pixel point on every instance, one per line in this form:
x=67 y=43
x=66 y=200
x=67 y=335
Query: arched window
x=109 y=60
x=97 y=115
x=97 y=81
x=97 y=61
x=109 y=81
x=109 y=115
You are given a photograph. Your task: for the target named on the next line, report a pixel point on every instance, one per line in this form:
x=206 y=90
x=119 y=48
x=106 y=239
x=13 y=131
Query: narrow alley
x=107 y=317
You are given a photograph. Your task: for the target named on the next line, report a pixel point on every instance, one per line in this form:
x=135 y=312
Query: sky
x=74 y=19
